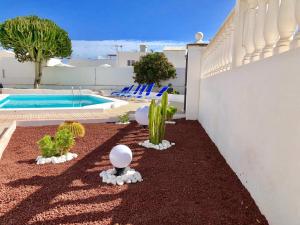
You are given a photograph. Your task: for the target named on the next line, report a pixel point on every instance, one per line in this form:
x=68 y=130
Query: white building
x=176 y=55
x=125 y=59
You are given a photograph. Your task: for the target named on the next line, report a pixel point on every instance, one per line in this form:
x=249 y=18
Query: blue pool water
x=49 y=101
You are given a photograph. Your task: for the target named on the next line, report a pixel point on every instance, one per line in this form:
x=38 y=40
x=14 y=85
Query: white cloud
x=93 y=49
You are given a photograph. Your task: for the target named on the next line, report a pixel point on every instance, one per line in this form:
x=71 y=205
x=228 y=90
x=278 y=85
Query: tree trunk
x=38 y=74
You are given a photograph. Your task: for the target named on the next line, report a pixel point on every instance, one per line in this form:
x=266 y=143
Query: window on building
x=130 y=62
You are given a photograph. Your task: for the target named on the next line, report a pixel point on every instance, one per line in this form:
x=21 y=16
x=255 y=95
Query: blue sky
x=175 y=21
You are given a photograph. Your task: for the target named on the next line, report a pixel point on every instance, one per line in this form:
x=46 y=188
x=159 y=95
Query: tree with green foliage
x=153 y=68
x=34 y=39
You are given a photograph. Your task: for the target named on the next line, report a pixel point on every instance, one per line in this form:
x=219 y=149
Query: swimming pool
x=54 y=101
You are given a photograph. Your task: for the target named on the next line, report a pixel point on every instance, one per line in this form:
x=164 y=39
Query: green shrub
x=58 y=145
x=47 y=146
x=124 y=118
x=76 y=128
x=171 y=110
x=172 y=90
x=64 y=141
x=153 y=68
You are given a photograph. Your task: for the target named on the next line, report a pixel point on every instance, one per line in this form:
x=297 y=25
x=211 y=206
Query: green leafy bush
x=47 y=146
x=171 y=110
x=64 y=141
x=124 y=118
x=58 y=145
x=153 y=68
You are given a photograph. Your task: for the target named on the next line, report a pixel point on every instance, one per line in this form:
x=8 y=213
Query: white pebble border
x=56 y=159
x=170 y=122
x=130 y=176
x=120 y=123
x=162 y=146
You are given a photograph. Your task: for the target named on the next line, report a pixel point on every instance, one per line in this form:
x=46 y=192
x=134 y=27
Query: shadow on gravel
x=187 y=184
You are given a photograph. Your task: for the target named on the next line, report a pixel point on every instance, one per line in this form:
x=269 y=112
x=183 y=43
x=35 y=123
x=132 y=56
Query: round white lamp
x=120 y=157
x=141 y=115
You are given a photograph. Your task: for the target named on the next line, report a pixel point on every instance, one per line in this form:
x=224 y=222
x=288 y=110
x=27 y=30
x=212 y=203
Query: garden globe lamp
x=141 y=115
x=120 y=157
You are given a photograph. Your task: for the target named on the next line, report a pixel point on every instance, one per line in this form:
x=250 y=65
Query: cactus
x=76 y=128
x=157 y=118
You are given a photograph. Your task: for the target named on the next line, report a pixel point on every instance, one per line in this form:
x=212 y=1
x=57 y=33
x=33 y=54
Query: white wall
x=252 y=113
x=18 y=74
x=91 y=62
x=14 y=72
x=123 y=57
x=176 y=57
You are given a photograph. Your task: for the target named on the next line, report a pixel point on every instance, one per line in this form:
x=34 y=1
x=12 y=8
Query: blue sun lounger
x=132 y=93
x=160 y=93
x=148 y=91
x=143 y=88
x=125 y=92
x=118 y=92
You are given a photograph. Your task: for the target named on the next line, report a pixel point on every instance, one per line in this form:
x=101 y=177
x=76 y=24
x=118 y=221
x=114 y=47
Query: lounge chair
x=118 y=92
x=125 y=92
x=148 y=91
x=133 y=92
x=160 y=93
x=140 y=92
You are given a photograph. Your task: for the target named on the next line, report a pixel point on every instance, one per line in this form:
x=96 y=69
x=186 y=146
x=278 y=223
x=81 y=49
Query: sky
x=95 y=23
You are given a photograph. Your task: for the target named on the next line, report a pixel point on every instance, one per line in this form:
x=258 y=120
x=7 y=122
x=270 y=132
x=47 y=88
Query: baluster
x=259 y=39
x=296 y=42
x=230 y=53
x=286 y=25
x=250 y=26
x=271 y=30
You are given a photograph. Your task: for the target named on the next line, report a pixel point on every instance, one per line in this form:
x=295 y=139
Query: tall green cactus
x=157 y=118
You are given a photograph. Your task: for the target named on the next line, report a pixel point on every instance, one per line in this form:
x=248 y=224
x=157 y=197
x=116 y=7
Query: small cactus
x=157 y=117
x=76 y=128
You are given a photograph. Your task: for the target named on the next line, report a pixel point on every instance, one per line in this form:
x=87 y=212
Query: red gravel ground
x=188 y=184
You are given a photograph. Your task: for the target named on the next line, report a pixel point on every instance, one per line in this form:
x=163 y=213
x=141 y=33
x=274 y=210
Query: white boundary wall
x=249 y=101
x=22 y=75
x=252 y=113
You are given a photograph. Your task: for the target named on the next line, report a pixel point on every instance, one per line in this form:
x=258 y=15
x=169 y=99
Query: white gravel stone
x=59 y=159
x=120 y=123
x=130 y=176
x=162 y=146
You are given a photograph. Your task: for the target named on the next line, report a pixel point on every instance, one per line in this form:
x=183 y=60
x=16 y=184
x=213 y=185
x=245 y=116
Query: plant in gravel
x=76 y=128
x=124 y=118
x=171 y=90
x=171 y=110
x=58 y=145
x=64 y=141
x=47 y=146
x=157 y=117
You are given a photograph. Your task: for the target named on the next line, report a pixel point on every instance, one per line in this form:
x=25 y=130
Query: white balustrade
x=257 y=29
x=286 y=25
x=218 y=54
